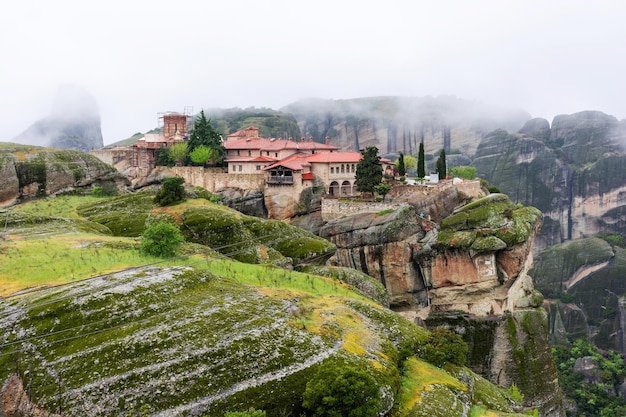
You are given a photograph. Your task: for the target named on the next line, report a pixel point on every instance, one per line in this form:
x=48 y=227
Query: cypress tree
x=442 y=170
x=369 y=171
x=204 y=133
x=421 y=170
x=401 y=167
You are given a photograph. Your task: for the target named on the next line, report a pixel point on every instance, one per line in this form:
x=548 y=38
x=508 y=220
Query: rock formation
x=569 y=171
x=470 y=273
x=74 y=123
x=27 y=172
x=399 y=124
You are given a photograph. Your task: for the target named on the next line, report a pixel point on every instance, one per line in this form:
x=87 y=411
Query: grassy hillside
x=199 y=334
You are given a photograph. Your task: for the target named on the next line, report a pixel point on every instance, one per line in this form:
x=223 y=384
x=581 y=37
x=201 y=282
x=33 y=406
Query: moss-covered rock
x=124 y=216
x=487 y=224
x=360 y=281
x=242 y=237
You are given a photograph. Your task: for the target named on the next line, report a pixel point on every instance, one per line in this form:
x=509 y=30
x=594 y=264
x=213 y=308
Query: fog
x=142 y=57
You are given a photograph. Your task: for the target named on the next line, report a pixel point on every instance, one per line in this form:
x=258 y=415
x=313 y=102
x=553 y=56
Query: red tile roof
x=328 y=157
x=261 y=159
x=308 y=176
x=295 y=162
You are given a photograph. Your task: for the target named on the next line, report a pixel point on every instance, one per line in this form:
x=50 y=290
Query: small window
x=276 y=154
x=249 y=153
x=258 y=167
x=352 y=167
x=332 y=170
x=240 y=168
x=342 y=168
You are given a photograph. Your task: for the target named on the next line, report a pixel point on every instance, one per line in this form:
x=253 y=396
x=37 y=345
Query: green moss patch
x=488 y=224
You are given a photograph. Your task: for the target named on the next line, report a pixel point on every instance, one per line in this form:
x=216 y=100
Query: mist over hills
x=73 y=123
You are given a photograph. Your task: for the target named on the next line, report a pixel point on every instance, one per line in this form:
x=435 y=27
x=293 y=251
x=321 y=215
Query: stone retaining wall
x=333 y=208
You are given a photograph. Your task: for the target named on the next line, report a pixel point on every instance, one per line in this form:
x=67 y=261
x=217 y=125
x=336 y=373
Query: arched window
x=333 y=189
x=346 y=188
x=342 y=168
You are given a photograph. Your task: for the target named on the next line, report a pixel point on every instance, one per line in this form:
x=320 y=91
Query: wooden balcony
x=280 y=180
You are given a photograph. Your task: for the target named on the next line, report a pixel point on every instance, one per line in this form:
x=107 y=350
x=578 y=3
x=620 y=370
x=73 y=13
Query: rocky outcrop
x=585 y=276
x=569 y=172
x=250 y=202
x=15 y=401
x=27 y=172
x=386 y=244
x=470 y=273
x=74 y=123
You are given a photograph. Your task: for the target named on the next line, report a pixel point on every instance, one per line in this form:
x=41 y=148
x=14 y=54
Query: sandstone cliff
x=27 y=172
x=468 y=272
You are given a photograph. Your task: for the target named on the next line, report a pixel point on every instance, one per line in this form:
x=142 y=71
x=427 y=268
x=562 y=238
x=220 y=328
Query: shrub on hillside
x=171 y=192
x=341 y=389
x=161 y=239
x=444 y=347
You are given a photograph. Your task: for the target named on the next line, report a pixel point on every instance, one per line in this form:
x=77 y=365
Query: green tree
x=400 y=165
x=178 y=152
x=161 y=239
x=410 y=164
x=442 y=169
x=383 y=189
x=369 y=171
x=204 y=133
x=171 y=192
x=162 y=157
x=421 y=167
x=466 y=172
x=341 y=390
x=201 y=155
x=444 y=346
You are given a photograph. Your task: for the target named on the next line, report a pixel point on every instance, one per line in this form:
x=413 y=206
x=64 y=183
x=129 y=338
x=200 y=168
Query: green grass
x=60 y=206
x=420 y=377
x=277 y=278
x=28 y=262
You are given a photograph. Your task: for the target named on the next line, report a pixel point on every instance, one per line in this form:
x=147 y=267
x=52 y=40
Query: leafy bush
x=444 y=347
x=171 y=192
x=340 y=390
x=592 y=397
x=161 y=239
x=465 y=172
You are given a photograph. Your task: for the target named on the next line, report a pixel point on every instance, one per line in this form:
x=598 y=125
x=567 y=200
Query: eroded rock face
x=9 y=183
x=570 y=172
x=15 y=401
x=248 y=202
x=32 y=172
x=468 y=272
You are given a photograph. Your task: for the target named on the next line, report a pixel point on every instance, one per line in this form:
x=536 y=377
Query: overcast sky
x=142 y=57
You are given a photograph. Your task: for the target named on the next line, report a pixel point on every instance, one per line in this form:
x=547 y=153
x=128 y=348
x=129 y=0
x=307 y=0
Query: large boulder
x=28 y=172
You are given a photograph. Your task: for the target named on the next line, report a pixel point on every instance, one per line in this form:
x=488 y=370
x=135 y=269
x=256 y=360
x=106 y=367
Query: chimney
x=311 y=138
x=328 y=140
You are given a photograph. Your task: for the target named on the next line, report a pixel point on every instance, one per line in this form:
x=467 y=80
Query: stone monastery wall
x=214 y=180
